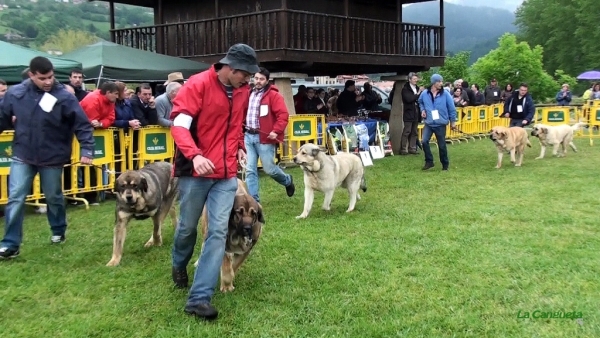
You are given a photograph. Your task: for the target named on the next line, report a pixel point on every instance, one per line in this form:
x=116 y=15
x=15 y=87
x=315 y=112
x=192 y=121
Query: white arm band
x=183 y=120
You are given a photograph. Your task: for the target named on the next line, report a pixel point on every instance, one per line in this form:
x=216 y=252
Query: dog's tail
x=363 y=183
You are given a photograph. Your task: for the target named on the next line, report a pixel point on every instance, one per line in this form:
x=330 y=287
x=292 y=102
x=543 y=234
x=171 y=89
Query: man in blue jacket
x=520 y=107
x=46 y=116
x=437 y=110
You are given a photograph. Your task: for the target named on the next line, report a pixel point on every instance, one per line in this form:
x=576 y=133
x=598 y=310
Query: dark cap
x=241 y=57
x=493 y=80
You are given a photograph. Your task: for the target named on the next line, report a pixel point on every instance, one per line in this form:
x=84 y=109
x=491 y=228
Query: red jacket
x=210 y=125
x=276 y=118
x=97 y=107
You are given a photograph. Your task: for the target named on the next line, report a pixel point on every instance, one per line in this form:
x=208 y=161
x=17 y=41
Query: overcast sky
x=510 y=5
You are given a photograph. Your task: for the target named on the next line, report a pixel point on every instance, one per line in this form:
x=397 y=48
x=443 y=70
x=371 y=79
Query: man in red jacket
x=266 y=121
x=99 y=105
x=208 y=113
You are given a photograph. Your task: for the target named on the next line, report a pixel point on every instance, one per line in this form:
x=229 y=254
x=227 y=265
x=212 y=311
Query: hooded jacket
x=207 y=123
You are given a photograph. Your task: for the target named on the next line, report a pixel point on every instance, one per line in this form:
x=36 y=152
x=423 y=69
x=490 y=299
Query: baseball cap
x=241 y=57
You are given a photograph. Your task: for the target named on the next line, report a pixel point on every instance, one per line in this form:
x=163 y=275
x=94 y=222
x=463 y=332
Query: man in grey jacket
x=492 y=93
x=164 y=104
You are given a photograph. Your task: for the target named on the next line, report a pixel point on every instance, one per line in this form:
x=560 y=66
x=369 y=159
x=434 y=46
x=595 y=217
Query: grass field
x=426 y=254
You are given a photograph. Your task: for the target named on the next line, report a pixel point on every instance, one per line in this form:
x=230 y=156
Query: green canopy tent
x=14 y=59
x=111 y=61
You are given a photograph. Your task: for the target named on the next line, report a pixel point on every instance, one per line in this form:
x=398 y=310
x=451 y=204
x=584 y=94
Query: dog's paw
x=517 y=165
x=497 y=167
x=302 y=216
x=349 y=210
x=326 y=208
x=112 y=262
x=227 y=288
x=538 y=158
x=152 y=242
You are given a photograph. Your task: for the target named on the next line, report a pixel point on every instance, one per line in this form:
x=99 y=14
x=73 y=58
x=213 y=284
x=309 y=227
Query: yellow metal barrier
x=302 y=128
x=149 y=144
x=594 y=123
x=554 y=115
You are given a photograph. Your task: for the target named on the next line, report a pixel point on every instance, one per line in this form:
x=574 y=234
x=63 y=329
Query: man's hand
x=507 y=115
x=241 y=155
x=319 y=106
x=85 y=160
x=203 y=166
x=96 y=124
x=453 y=125
x=14 y=119
x=151 y=103
x=424 y=114
x=525 y=122
x=135 y=124
x=272 y=135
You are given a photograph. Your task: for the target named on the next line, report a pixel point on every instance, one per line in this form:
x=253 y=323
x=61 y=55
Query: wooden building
x=313 y=37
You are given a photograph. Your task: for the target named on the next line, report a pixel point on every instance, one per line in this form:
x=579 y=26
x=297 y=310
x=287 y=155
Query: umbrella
x=589 y=75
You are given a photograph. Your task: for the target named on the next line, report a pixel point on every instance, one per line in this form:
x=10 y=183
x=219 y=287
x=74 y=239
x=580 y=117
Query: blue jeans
x=266 y=152
x=218 y=194
x=440 y=135
x=19 y=186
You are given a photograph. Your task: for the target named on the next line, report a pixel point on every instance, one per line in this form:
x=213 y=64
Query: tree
x=68 y=40
x=455 y=67
x=566 y=29
x=515 y=63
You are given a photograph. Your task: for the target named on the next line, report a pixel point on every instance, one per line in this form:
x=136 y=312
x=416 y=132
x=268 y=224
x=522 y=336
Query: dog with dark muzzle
x=141 y=194
x=244 y=229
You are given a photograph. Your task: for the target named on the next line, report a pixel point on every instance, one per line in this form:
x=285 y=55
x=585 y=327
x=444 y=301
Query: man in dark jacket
x=470 y=94
x=45 y=118
x=411 y=116
x=144 y=107
x=348 y=102
x=520 y=107
x=76 y=81
x=492 y=93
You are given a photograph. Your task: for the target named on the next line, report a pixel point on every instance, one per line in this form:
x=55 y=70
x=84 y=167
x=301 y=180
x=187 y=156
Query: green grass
x=426 y=254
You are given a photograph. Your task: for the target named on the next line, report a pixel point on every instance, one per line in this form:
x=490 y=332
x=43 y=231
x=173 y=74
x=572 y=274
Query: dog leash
x=108 y=171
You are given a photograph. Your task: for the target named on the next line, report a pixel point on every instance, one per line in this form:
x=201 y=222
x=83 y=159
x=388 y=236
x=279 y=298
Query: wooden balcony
x=291 y=40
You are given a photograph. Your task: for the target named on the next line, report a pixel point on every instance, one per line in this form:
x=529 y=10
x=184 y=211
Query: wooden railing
x=286 y=29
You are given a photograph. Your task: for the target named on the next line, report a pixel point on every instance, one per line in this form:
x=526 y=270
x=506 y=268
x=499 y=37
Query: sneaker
x=445 y=169
x=41 y=210
x=202 y=310
x=180 y=277
x=58 y=239
x=291 y=188
x=6 y=253
x=427 y=166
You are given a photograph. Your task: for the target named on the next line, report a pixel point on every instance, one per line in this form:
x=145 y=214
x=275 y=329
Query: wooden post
x=346 y=27
x=442 y=38
x=159 y=31
x=284 y=24
x=111 y=8
x=399 y=40
x=397 y=112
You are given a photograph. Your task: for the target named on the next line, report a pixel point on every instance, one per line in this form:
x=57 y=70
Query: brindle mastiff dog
x=144 y=193
x=244 y=229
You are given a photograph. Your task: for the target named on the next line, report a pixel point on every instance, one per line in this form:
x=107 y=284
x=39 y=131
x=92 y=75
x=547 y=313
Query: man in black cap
x=492 y=93
x=207 y=115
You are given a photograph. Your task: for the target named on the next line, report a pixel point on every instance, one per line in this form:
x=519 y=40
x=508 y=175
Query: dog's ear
x=315 y=152
x=545 y=130
x=259 y=214
x=143 y=184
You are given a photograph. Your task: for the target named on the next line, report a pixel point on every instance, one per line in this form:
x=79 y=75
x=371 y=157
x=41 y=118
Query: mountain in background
x=474 y=29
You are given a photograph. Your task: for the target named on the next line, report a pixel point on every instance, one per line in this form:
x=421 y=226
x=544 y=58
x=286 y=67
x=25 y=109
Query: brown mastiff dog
x=245 y=226
x=144 y=193
x=513 y=139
